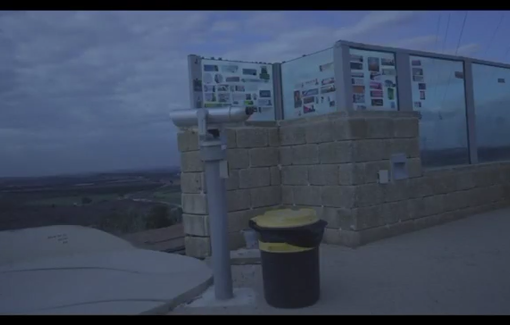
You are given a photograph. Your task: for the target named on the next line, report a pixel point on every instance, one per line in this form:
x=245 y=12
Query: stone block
x=429 y=221
x=194 y=203
x=485 y=176
x=273 y=136
x=306 y=154
x=335 y=152
x=379 y=128
x=187 y=141
x=464 y=181
x=198 y=247
x=406 y=128
x=238 y=158
x=276 y=178
x=340 y=129
x=238 y=220
x=338 y=196
x=319 y=132
x=265 y=196
x=307 y=195
x=294 y=175
x=285 y=156
x=264 y=157
x=196 y=225
x=396 y=191
x=358 y=128
x=414 y=168
x=455 y=201
x=193 y=183
x=496 y=192
x=370 y=150
x=292 y=135
x=433 y=204
x=394 y=212
x=367 y=217
x=323 y=175
x=232 y=182
x=416 y=208
x=409 y=147
x=191 y=162
x=476 y=196
x=252 y=137
x=254 y=177
x=341 y=237
x=369 y=194
x=444 y=184
x=287 y=195
x=238 y=200
x=231 y=138
x=349 y=174
x=420 y=187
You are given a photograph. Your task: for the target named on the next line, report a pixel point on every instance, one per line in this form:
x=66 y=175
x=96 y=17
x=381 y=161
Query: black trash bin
x=289 y=243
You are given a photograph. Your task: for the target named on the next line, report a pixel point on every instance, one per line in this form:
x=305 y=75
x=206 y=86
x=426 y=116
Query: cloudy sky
x=90 y=91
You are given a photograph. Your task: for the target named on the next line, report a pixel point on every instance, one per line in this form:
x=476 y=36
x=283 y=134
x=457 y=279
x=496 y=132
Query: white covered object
x=79 y=270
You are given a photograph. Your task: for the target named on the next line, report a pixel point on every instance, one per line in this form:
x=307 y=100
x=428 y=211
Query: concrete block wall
x=436 y=197
x=253 y=185
x=359 y=209
x=331 y=163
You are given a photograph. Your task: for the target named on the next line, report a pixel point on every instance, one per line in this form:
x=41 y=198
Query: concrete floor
x=461 y=267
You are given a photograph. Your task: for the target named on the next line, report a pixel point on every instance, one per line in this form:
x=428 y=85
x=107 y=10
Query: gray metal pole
x=212 y=155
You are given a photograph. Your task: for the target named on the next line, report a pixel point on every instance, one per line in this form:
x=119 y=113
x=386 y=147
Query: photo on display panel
x=375 y=85
x=388 y=62
x=417 y=72
x=356 y=58
x=356 y=66
x=373 y=64
x=377 y=102
x=391 y=93
x=375 y=76
x=326 y=67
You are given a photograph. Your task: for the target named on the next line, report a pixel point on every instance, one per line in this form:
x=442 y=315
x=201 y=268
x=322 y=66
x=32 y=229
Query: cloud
x=74 y=83
x=467 y=49
x=374 y=21
x=289 y=43
x=224 y=26
x=91 y=90
x=421 y=43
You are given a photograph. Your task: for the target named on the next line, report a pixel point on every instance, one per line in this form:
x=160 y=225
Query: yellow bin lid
x=286 y=218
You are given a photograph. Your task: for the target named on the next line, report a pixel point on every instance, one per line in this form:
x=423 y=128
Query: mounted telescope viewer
x=212 y=143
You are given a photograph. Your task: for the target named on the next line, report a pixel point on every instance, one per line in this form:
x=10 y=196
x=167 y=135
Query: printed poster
x=244 y=84
x=419 y=86
x=309 y=85
x=373 y=79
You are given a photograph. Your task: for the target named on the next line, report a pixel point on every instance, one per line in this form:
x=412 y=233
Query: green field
x=170 y=196
x=76 y=199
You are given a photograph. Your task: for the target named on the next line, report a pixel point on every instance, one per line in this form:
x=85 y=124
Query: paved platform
x=77 y=270
x=462 y=267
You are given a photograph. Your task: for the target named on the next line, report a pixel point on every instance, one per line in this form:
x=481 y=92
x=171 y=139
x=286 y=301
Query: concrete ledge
x=344 y=114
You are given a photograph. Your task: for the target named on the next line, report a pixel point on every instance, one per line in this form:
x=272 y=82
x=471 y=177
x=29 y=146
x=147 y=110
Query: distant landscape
x=117 y=202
